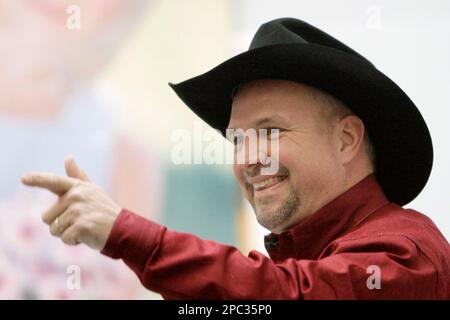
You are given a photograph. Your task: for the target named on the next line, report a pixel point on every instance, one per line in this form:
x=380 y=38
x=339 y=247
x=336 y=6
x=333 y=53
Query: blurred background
x=89 y=78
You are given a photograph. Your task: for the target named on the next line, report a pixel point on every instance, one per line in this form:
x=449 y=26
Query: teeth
x=267 y=182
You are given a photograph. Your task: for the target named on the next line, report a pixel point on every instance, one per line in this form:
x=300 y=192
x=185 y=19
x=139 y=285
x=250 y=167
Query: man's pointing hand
x=84 y=213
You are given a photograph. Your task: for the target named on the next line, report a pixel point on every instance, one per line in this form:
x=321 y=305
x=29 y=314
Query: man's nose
x=251 y=156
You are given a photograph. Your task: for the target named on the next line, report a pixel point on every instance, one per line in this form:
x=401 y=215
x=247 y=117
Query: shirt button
x=271 y=243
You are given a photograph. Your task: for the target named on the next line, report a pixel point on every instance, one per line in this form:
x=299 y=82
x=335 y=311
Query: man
x=353 y=149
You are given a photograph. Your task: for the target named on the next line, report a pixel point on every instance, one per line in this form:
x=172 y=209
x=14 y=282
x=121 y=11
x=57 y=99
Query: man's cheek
x=286 y=160
x=237 y=173
x=239 y=176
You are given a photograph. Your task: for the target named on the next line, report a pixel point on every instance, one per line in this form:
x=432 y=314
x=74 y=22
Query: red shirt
x=358 y=246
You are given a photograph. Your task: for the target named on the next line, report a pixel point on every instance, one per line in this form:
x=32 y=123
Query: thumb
x=73 y=170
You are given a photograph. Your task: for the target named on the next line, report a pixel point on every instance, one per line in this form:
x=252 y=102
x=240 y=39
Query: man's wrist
x=133 y=238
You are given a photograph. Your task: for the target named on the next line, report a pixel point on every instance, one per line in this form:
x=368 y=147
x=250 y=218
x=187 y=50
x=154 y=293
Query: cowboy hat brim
x=402 y=142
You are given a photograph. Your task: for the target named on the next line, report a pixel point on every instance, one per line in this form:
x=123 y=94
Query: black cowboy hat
x=290 y=49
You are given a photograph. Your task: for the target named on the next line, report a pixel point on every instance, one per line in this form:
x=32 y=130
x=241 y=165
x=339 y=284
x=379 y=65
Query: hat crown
x=294 y=31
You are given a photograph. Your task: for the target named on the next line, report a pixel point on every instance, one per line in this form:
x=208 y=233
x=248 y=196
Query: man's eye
x=237 y=140
x=273 y=130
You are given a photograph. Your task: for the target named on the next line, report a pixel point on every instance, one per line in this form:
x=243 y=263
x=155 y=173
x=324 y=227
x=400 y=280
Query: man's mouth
x=268 y=183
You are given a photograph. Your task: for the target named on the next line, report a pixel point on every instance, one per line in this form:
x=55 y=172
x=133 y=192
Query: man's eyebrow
x=265 y=120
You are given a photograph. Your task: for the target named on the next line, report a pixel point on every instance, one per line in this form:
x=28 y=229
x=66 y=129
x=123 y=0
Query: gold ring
x=58 y=226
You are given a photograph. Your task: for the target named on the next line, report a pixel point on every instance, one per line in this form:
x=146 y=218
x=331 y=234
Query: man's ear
x=351 y=134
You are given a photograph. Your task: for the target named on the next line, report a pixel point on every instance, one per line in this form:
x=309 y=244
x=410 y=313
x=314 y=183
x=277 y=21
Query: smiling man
x=323 y=150
x=353 y=149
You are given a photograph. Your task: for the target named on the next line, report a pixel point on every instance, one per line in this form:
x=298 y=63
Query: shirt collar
x=307 y=239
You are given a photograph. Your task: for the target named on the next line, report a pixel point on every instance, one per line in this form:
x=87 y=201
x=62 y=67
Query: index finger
x=50 y=181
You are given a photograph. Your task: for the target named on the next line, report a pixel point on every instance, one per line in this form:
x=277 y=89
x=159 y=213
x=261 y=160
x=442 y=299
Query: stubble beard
x=281 y=216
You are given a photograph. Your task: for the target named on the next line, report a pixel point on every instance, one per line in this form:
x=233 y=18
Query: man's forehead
x=268 y=100
x=265 y=86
